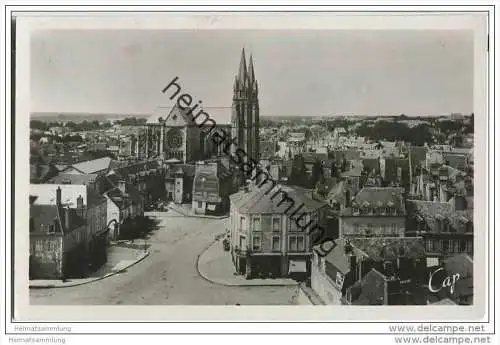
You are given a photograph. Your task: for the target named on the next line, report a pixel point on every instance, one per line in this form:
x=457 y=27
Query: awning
x=432 y=262
x=297 y=266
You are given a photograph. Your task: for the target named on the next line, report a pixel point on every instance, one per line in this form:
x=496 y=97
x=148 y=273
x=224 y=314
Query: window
x=32 y=224
x=301 y=245
x=468 y=247
x=51 y=229
x=355 y=210
x=276 y=244
x=428 y=245
x=256 y=243
x=369 y=230
x=242 y=223
x=200 y=204
x=292 y=243
x=394 y=229
x=256 y=224
x=463 y=245
x=446 y=246
x=243 y=243
x=356 y=228
x=276 y=224
x=382 y=229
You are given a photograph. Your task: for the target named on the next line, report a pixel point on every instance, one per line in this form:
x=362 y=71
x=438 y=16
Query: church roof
x=220 y=115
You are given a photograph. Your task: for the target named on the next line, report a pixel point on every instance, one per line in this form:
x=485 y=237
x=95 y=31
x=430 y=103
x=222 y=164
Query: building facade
x=267 y=239
x=374 y=212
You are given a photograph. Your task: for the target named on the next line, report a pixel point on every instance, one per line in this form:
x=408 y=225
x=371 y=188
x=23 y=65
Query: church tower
x=245 y=112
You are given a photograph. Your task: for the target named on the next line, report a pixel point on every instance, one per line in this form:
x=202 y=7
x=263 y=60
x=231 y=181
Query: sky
x=300 y=72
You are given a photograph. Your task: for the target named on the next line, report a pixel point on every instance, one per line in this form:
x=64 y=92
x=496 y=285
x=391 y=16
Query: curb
x=197 y=266
x=89 y=281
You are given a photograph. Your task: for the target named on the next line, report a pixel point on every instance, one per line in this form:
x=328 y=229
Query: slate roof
x=428 y=210
x=84 y=179
x=93 y=166
x=370 y=290
x=373 y=196
x=388 y=248
x=258 y=202
x=338 y=260
x=44 y=216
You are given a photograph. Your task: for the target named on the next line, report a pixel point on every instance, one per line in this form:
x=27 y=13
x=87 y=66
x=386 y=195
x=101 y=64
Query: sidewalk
x=186 y=211
x=120 y=257
x=215 y=265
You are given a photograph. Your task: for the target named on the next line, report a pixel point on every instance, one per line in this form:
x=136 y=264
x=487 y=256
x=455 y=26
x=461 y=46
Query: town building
x=79 y=192
x=270 y=229
x=58 y=236
x=374 y=212
x=446 y=227
x=212 y=186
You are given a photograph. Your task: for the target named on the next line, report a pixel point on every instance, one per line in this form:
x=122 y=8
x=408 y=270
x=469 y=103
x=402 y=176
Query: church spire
x=251 y=74
x=242 y=73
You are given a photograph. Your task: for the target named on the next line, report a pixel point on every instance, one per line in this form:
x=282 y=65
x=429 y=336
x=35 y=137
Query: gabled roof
x=92 y=166
x=171 y=117
x=370 y=290
x=176 y=117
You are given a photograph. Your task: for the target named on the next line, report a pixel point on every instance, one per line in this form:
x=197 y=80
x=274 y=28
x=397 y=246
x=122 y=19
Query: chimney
x=121 y=186
x=58 y=196
x=67 y=215
x=79 y=206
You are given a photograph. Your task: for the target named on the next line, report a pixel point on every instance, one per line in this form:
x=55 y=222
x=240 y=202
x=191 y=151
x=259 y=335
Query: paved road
x=168 y=275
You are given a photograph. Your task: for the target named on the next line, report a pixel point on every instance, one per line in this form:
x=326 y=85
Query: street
x=168 y=276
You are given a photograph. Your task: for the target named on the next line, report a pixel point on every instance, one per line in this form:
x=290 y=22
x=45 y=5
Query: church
x=172 y=137
x=171 y=134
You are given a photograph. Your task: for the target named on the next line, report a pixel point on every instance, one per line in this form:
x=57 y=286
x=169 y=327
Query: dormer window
x=355 y=210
